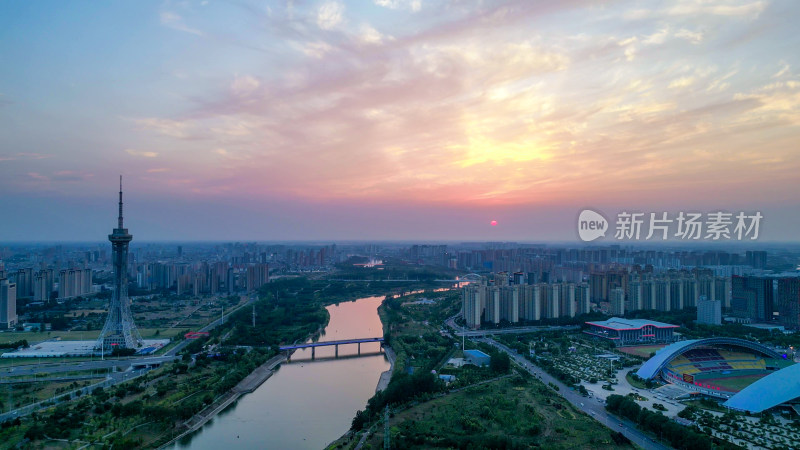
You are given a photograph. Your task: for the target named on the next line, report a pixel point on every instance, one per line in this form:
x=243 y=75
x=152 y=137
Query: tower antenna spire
x=120 y=203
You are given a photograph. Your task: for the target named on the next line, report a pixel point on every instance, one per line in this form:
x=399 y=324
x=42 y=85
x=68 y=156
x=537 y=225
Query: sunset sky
x=393 y=119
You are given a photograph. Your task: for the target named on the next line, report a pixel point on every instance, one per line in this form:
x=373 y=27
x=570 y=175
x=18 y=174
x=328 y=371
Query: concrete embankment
x=383 y=382
x=249 y=384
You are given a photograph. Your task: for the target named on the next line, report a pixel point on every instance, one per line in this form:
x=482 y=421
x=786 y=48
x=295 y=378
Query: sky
x=393 y=119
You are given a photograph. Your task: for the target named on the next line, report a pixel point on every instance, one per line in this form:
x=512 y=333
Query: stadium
x=735 y=370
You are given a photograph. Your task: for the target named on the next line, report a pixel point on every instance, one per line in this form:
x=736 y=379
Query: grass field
x=735 y=384
x=530 y=415
x=642 y=351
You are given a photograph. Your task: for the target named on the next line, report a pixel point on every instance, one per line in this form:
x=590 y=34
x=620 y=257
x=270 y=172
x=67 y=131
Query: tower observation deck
x=119 y=331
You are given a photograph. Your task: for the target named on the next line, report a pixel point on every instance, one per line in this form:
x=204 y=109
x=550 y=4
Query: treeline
x=16 y=344
x=401 y=389
x=679 y=436
x=288 y=309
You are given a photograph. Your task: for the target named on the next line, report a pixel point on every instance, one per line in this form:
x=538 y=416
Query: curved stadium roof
x=772 y=390
x=656 y=364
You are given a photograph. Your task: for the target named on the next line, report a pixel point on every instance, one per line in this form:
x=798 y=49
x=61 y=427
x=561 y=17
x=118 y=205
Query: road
x=590 y=405
x=120 y=364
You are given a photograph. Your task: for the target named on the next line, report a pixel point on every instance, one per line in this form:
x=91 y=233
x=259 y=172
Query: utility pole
x=254 y=315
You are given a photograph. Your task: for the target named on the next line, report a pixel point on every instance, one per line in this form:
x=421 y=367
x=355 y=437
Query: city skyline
x=398 y=120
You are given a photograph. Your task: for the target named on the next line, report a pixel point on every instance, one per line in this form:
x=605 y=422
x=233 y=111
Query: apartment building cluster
x=519 y=297
x=632 y=288
x=767 y=300
x=203 y=277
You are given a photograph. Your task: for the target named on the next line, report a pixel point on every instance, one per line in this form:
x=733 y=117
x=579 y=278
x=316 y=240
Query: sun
x=493 y=223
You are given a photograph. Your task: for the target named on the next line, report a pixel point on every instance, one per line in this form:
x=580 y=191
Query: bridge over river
x=314 y=345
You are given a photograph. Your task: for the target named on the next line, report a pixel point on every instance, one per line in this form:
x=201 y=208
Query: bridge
x=314 y=345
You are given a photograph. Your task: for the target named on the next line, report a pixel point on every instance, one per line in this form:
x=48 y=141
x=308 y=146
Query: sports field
x=643 y=350
x=734 y=384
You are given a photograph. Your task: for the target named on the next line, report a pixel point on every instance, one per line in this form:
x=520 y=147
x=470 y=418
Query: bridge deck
x=329 y=343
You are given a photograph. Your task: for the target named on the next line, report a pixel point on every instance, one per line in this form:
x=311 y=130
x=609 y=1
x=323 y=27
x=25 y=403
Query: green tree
x=500 y=362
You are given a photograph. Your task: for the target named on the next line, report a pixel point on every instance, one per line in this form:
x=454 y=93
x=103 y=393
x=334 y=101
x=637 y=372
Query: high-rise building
x=509 y=303
x=552 y=301
x=709 y=311
x=8 y=304
x=119 y=331
x=722 y=291
x=24 y=281
x=530 y=302
x=74 y=283
x=752 y=298
x=583 y=299
x=617 y=302
x=756 y=259
x=788 y=302
x=492 y=305
x=43 y=285
x=257 y=276
x=473 y=295
x=567 y=300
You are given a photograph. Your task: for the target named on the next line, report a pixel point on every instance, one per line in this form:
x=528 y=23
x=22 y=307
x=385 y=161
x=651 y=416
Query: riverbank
x=386 y=376
x=256 y=378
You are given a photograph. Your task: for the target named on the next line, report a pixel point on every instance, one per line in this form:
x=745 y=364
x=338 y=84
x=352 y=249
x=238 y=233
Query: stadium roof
x=772 y=390
x=616 y=323
x=656 y=364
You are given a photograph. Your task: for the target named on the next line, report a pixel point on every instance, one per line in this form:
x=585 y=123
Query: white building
x=709 y=311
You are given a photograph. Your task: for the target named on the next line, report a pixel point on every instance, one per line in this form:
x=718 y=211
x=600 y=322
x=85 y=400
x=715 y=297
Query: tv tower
x=119 y=330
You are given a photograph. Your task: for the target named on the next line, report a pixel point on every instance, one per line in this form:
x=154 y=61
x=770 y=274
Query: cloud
x=370 y=35
x=695 y=37
x=158 y=170
x=682 y=82
x=61 y=175
x=330 y=14
x=37 y=176
x=694 y=8
x=176 y=22
x=24 y=157
x=70 y=176
x=412 y=5
x=166 y=127
x=489 y=104
x=141 y=153
x=657 y=38
x=785 y=69
x=244 y=85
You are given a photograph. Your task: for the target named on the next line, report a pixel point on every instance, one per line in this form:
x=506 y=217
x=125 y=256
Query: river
x=305 y=404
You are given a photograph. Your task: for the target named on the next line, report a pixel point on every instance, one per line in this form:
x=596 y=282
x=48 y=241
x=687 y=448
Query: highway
x=590 y=405
x=120 y=364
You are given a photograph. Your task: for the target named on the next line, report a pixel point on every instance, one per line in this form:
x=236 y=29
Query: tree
x=500 y=362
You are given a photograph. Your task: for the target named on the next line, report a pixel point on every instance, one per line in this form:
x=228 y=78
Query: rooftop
x=617 y=323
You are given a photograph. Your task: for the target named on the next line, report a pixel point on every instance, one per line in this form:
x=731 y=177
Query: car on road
x=620 y=424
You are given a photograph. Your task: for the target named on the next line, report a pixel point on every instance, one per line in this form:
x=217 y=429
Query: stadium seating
x=710 y=360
